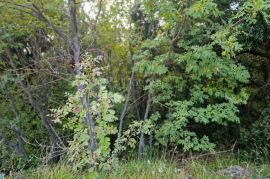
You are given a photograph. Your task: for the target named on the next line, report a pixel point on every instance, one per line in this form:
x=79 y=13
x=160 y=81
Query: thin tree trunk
x=131 y=91
x=141 y=142
x=75 y=43
x=92 y=144
x=151 y=138
x=124 y=111
x=84 y=99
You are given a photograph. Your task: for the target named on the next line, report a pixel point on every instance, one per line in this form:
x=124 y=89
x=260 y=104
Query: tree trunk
x=84 y=99
x=95 y=49
x=141 y=142
x=131 y=93
x=124 y=111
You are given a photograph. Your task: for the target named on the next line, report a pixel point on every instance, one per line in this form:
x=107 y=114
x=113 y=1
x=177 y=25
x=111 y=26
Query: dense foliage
x=92 y=82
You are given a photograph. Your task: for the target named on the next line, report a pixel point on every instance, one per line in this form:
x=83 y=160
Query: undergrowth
x=201 y=168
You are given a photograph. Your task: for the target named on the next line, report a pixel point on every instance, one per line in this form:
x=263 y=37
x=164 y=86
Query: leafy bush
x=196 y=86
x=258 y=137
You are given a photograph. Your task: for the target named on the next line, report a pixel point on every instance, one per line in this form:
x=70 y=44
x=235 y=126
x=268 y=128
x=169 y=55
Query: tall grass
x=204 y=168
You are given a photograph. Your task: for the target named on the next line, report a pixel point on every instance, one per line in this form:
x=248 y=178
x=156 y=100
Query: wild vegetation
x=134 y=88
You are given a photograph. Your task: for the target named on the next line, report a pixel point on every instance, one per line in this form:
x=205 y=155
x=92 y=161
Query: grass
x=202 y=169
x=208 y=167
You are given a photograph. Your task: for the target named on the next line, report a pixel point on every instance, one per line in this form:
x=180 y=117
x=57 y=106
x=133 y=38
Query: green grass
x=208 y=167
x=201 y=168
